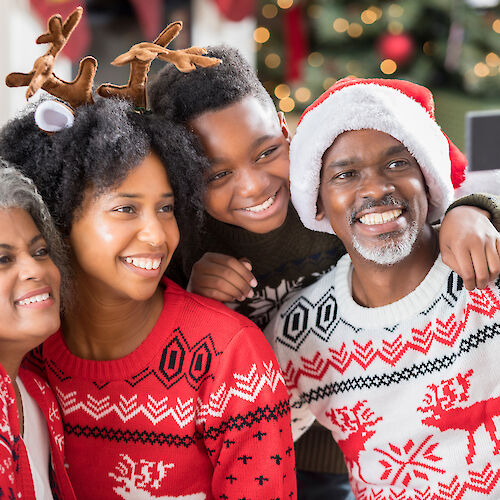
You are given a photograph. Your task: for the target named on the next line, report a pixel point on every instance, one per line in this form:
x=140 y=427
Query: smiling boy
x=389 y=350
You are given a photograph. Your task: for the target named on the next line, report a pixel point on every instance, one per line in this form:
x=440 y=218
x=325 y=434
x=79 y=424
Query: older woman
x=31 y=444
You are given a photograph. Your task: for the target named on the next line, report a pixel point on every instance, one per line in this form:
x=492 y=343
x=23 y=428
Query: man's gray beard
x=391 y=250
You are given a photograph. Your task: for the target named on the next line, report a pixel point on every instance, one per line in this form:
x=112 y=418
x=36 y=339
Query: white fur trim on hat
x=367 y=106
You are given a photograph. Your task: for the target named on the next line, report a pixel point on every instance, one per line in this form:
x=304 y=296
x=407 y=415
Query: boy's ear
x=320 y=211
x=284 y=126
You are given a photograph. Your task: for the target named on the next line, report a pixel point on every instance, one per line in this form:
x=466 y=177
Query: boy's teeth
x=144 y=263
x=35 y=298
x=382 y=218
x=262 y=206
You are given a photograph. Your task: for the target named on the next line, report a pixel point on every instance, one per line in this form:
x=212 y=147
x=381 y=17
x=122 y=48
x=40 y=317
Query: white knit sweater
x=410 y=391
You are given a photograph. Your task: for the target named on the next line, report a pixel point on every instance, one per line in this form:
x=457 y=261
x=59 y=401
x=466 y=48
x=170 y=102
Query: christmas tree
x=451 y=46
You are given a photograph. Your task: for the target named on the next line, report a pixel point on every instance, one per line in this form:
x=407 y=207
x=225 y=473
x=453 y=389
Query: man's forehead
x=351 y=144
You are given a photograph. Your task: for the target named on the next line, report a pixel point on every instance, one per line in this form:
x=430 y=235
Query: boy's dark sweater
x=283 y=260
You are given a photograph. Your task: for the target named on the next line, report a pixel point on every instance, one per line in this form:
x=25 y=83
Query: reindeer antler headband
x=140 y=57
x=79 y=91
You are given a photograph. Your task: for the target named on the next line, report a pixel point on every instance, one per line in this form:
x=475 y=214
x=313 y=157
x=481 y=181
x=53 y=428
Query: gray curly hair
x=18 y=191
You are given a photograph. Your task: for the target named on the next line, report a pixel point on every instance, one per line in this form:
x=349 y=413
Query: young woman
x=31 y=441
x=154 y=383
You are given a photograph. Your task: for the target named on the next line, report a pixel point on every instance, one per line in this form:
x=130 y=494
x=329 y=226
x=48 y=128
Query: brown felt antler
x=75 y=93
x=140 y=57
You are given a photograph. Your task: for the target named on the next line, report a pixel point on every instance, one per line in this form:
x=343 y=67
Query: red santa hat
x=399 y=108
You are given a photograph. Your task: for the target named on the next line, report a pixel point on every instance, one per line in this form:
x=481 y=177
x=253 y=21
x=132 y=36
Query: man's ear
x=320 y=211
x=284 y=126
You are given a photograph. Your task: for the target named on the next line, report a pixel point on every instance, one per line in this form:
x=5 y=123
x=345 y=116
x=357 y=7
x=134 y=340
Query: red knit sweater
x=15 y=472
x=198 y=411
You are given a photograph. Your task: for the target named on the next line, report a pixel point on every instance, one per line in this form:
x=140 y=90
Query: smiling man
x=389 y=350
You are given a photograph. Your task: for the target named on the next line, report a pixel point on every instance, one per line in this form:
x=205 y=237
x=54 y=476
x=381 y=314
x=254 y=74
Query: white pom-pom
x=53 y=116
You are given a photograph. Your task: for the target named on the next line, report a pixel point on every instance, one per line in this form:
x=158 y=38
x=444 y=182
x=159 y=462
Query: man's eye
x=267 y=152
x=126 y=209
x=218 y=176
x=343 y=175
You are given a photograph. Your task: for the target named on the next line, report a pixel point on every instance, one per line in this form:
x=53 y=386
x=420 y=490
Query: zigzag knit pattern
x=199 y=410
x=410 y=390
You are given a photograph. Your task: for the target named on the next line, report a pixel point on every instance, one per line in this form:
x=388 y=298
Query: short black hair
x=107 y=140
x=183 y=96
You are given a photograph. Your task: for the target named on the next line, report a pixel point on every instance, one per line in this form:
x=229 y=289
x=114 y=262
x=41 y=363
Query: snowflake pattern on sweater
x=15 y=472
x=410 y=391
x=198 y=411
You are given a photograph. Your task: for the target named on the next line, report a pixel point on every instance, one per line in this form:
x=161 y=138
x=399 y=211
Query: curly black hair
x=183 y=96
x=107 y=140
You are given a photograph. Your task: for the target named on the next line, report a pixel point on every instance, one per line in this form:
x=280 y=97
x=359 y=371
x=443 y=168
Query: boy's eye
x=217 y=176
x=126 y=209
x=397 y=164
x=267 y=152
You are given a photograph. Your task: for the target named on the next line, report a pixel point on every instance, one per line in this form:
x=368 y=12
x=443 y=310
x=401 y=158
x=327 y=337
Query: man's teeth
x=262 y=206
x=382 y=218
x=35 y=298
x=144 y=263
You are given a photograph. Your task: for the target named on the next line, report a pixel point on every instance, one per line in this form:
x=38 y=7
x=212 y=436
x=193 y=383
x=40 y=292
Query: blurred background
x=299 y=47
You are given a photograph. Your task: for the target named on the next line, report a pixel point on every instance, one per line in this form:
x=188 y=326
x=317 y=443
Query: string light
x=369 y=16
x=388 y=66
x=284 y=4
x=481 y=70
x=395 y=10
x=303 y=94
x=272 y=60
x=287 y=104
x=428 y=48
x=377 y=10
x=340 y=25
x=282 y=91
x=315 y=59
x=395 y=28
x=355 y=30
x=261 y=35
x=496 y=25
x=492 y=59
x=269 y=11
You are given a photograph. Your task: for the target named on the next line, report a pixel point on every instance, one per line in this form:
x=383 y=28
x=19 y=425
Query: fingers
x=222 y=277
x=461 y=263
x=478 y=265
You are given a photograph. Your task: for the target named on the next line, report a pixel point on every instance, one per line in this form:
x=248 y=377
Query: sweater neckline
x=390 y=314
x=117 y=369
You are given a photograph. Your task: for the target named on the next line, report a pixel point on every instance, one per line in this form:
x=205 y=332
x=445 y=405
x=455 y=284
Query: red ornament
x=236 y=10
x=399 y=48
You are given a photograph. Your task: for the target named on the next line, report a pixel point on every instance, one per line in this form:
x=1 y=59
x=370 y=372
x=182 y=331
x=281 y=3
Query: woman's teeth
x=262 y=206
x=382 y=218
x=35 y=298
x=143 y=263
